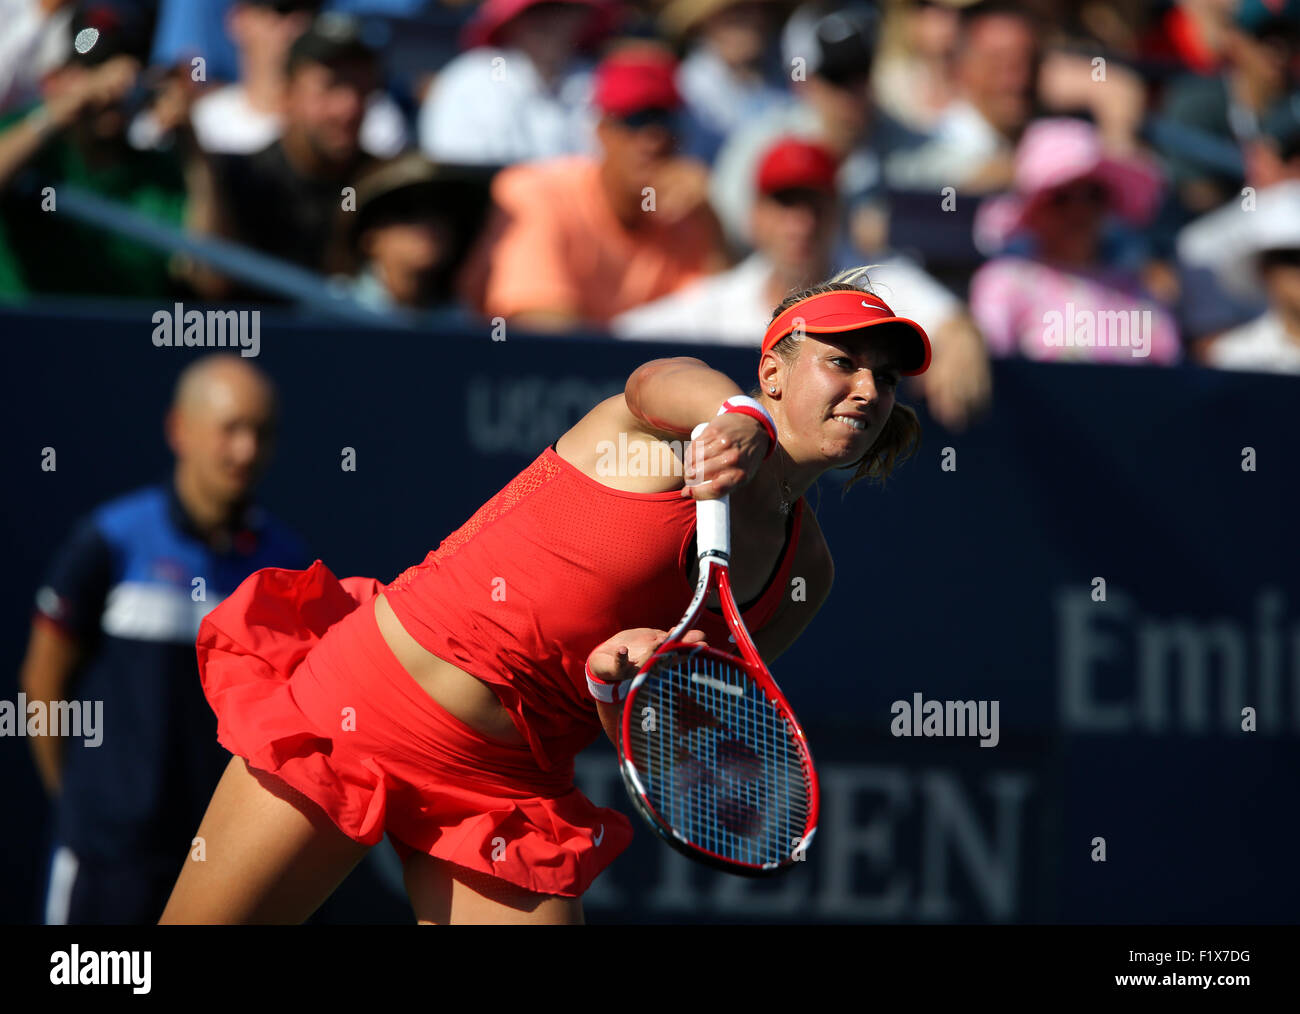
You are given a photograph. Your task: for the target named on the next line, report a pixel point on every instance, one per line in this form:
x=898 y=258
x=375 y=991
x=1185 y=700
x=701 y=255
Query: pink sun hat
x=1057 y=151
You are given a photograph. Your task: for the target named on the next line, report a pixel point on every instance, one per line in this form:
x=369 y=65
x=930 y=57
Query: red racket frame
x=717 y=575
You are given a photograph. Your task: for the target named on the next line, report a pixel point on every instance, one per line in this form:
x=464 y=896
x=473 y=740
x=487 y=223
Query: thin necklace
x=786 y=495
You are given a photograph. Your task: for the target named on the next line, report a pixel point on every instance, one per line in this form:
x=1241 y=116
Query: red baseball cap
x=792 y=162
x=632 y=80
x=842 y=311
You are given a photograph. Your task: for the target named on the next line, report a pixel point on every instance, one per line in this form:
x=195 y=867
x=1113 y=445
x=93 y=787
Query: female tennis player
x=445 y=709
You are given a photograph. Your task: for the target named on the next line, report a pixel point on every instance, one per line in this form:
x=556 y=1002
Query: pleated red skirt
x=305 y=687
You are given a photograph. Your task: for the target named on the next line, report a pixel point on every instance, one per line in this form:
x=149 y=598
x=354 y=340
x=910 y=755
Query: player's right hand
x=725 y=456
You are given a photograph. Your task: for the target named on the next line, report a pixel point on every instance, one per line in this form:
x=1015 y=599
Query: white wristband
x=606 y=693
x=755 y=410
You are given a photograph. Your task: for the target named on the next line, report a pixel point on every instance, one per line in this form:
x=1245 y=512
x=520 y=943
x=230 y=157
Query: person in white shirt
x=1004 y=78
x=793 y=221
x=35 y=40
x=831 y=103
x=731 y=73
x=1271 y=342
x=522 y=90
x=245 y=117
x=996 y=69
x=915 y=74
x=1223 y=241
x=1268 y=344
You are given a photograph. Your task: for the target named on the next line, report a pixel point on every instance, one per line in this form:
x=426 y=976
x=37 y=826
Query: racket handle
x=712 y=521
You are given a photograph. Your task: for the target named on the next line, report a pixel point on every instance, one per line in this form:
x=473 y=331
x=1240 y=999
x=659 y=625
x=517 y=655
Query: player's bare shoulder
x=617 y=449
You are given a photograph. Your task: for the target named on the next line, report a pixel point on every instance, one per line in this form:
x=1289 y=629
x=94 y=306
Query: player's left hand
x=621 y=658
x=623 y=655
x=725 y=456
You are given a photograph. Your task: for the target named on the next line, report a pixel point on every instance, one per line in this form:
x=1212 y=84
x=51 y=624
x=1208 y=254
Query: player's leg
x=270 y=855
x=443 y=893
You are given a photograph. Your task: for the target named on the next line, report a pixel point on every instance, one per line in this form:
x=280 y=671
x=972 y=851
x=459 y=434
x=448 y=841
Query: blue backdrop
x=1120 y=719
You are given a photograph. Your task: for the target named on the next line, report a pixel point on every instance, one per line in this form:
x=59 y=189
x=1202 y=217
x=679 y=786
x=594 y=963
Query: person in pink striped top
x=1063 y=301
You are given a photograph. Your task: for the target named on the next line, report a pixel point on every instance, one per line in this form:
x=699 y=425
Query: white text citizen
x=217 y=329
x=75 y=967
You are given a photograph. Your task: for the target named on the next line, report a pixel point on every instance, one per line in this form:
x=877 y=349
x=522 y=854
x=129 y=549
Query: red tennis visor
x=837 y=312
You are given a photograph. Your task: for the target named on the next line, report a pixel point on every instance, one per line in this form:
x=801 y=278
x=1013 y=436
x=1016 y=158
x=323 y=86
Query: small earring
x=771 y=390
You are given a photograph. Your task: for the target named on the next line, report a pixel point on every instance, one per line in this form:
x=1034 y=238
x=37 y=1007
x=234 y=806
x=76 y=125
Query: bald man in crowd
x=115 y=625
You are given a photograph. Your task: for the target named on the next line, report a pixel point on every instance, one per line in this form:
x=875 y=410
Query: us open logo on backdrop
x=522 y=414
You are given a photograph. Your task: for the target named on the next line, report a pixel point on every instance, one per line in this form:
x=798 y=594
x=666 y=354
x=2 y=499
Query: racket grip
x=713 y=527
x=712 y=521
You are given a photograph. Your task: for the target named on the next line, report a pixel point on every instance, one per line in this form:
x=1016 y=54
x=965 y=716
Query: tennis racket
x=710 y=751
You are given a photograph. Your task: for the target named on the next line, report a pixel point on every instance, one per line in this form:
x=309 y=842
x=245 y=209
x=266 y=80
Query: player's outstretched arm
x=672 y=396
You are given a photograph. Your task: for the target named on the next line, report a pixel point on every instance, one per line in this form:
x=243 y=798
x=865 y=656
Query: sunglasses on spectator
x=1086 y=193
x=641 y=119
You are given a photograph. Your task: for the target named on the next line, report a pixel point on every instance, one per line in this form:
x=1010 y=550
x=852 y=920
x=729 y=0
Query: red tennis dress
x=305 y=687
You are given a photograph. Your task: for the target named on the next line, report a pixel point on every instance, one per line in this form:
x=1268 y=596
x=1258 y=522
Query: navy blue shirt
x=131 y=585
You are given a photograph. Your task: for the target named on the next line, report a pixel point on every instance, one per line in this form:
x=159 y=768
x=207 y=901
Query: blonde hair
x=900 y=437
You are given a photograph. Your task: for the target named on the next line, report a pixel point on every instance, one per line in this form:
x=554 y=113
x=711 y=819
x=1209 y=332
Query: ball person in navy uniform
x=116 y=621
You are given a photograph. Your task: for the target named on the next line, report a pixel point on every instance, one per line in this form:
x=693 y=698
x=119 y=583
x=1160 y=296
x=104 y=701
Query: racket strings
x=719 y=762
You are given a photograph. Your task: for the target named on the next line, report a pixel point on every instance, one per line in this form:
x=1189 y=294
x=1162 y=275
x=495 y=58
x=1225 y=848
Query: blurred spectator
x=412 y=222
x=793 y=222
x=731 y=73
x=77 y=137
x=997 y=60
x=1274 y=155
x=246 y=116
x=1261 y=65
x=1220 y=245
x=522 y=89
x=1065 y=300
x=285 y=199
x=833 y=106
x=1071 y=82
x=190 y=28
x=1118 y=27
x=1192 y=36
x=582 y=239
x=915 y=77
x=36 y=39
x=1270 y=343
x=115 y=623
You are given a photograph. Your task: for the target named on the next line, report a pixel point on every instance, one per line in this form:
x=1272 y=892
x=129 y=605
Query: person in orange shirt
x=577 y=240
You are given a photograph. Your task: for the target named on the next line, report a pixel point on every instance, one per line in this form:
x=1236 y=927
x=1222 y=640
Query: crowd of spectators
x=1023 y=176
